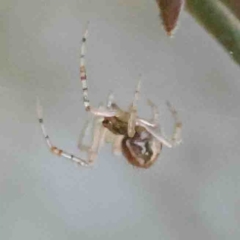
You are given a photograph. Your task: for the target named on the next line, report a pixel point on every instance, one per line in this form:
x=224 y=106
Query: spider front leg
x=133 y=112
x=83 y=80
x=55 y=150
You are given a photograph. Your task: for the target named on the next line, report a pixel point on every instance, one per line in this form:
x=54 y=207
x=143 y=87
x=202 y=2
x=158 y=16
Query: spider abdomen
x=142 y=150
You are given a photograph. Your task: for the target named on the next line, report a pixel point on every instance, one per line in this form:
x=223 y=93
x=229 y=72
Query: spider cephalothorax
x=139 y=140
x=115 y=125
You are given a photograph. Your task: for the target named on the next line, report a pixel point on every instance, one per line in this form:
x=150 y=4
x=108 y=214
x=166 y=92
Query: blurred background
x=192 y=192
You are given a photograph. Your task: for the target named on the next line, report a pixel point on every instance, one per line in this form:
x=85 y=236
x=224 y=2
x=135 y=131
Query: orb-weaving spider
x=139 y=140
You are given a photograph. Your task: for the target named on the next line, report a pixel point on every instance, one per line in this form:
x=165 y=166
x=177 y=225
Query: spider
x=139 y=140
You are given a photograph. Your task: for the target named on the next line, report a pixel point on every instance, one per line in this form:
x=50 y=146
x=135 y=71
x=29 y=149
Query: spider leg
x=176 y=137
x=83 y=74
x=112 y=106
x=155 y=112
x=83 y=80
x=155 y=118
x=53 y=148
x=99 y=133
x=110 y=100
x=133 y=112
x=117 y=145
x=155 y=134
x=85 y=129
x=116 y=141
x=98 y=137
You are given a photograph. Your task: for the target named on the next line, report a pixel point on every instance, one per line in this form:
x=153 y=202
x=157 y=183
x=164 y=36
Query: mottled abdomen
x=142 y=150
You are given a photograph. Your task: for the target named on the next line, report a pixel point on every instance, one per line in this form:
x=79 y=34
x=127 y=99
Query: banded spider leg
x=99 y=113
x=83 y=79
x=55 y=150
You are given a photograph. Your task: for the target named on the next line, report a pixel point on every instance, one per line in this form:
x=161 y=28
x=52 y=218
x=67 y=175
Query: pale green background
x=193 y=191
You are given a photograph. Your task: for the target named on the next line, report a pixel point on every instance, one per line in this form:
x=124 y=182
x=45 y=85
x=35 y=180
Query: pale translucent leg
x=157 y=135
x=102 y=138
x=85 y=130
x=116 y=141
x=112 y=106
x=98 y=138
x=95 y=123
x=176 y=136
x=98 y=135
x=53 y=148
x=110 y=100
x=133 y=111
x=177 y=133
x=103 y=112
x=117 y=145
x=154 y=122
x=155 y=112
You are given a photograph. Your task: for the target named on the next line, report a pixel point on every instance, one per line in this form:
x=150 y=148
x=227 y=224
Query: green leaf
x=234 y=5
x=221 y=18
x=219 y=21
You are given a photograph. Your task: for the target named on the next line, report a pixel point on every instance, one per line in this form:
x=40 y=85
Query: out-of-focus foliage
x=170 y=11
x=221 y=18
